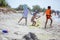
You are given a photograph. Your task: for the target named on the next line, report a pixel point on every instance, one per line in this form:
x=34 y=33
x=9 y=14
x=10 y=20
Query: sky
x=55 y=4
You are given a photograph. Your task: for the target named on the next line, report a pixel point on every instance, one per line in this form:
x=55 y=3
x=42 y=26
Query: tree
x=20 y=7
x=43 y=10
x=3 y=3
x=36 y=7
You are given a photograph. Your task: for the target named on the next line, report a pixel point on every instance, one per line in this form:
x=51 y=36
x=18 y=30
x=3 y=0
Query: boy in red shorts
x=48 y=16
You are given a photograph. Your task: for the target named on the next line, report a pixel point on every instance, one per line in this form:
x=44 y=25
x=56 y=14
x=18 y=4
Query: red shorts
x=48 y=16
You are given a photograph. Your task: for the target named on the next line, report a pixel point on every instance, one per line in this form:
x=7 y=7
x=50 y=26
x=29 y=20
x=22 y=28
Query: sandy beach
x=17 y=30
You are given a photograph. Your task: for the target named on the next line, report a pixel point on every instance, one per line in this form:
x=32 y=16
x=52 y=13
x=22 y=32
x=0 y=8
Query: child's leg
x=46 y=22
x=34 y=23
x=26 y=21
x=20 y=19
x=51 y=22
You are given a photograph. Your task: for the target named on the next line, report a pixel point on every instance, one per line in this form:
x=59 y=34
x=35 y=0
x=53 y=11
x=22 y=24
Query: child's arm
x=38 y=17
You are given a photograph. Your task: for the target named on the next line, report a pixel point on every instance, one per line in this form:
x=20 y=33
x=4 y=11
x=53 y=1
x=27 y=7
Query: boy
x=25 y=14
x=33 y=18
x=48 y=16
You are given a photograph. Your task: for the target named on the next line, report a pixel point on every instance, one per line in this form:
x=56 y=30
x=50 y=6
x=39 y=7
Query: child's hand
x=38 y=17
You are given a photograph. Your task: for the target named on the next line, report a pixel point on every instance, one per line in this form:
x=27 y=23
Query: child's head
x=49 y=7
x=36 y=11
x=24 y=6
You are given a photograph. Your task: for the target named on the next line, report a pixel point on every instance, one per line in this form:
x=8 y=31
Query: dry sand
x=17 y=31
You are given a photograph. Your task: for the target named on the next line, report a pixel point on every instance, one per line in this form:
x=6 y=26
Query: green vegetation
x=20 y=7
x=43 y=10
x=35 y=7
x=3 y=3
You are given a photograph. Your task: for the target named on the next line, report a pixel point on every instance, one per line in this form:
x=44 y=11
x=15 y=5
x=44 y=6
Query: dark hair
x=49 y=7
